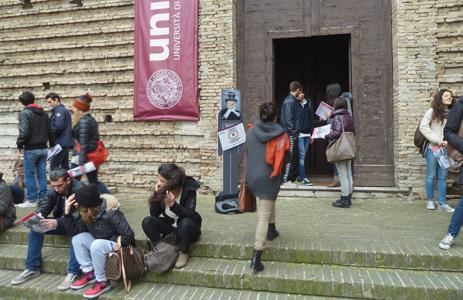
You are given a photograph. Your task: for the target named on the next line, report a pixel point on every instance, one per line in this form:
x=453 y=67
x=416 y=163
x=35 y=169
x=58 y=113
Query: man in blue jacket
x=60 y=121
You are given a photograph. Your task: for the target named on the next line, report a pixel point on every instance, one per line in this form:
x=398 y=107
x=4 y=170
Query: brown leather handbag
x=246 y=200
x=127 y=263
x=452 y=152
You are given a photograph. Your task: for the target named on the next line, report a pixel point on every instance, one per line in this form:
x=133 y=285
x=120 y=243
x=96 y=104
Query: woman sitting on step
x=173 y=209
x=95 y=232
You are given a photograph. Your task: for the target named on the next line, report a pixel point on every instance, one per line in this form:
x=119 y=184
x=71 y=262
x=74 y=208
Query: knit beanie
x=88 y=196
x=83 y=103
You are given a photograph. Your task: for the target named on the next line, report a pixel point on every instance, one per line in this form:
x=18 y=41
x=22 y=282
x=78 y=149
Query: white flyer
x=322 y=110
x=53 y=151
x=232 y=136
x=321 y=132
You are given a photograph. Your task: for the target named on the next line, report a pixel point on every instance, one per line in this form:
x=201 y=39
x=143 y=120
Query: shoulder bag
x=452 y=152
x=163 y=255
x=343 y=148
x=126 y=263
x=246 y=200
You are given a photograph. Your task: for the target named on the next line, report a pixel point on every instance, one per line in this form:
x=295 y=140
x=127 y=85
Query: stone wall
x=90 y=48
x=427 y=55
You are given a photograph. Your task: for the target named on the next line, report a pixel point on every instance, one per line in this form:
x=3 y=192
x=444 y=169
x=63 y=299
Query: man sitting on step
x=62 y=186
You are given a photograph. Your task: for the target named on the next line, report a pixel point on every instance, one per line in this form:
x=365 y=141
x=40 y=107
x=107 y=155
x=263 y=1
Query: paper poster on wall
x=232 y=136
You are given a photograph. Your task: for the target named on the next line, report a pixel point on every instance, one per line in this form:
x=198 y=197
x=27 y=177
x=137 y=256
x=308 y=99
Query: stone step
x=409 y=255
x=44 y=287
x=296 y=278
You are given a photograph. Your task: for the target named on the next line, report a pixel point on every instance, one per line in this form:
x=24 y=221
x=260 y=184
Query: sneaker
x=97 y=289
x=182 y=259
x=24 y=276
x=27 y=204
x=289 y=185
x=445 y=207
x=430 y=205
x=66 y=283
x=306 y=181
x=446 y=242
x=84 y=279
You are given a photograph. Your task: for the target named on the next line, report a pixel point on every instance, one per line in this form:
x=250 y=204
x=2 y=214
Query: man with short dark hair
x=60 y=122
x=62 y=186
x=33 y=139
x=290 y=115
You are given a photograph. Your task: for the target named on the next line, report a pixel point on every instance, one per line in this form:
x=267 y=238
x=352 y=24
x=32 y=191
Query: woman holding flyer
x=432 y=127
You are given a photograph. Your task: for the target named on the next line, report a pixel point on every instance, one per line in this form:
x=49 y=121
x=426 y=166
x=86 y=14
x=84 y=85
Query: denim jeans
x=35 y=162
x=60 y=160
x=433 y=168
x=457 y=219
x=92 y=254
x=303 y=143
x=34 y=251
x=345 y=176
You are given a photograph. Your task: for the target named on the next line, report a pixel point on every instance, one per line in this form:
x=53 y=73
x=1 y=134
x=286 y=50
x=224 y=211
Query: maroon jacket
x=338 y=116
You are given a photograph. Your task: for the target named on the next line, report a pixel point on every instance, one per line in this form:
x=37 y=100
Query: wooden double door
x=318 y=42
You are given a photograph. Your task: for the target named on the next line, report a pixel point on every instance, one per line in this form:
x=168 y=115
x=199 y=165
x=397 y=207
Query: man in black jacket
x=289 y=120
x=63 y=186
x=34 y=136
x=60 y=122
x=451 y=136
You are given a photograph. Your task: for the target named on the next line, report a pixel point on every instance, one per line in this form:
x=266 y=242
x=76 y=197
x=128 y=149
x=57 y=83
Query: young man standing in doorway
x=290 y=116
x=305 y=131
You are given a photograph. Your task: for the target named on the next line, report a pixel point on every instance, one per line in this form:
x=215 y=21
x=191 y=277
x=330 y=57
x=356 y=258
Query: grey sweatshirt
x=258 y=171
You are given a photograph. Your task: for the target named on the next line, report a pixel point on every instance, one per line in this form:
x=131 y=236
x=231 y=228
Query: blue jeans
x=60 y=160
x=433 y=168
x=303 y=145
x=457 y=219
x=34 y=251
x=35 y=162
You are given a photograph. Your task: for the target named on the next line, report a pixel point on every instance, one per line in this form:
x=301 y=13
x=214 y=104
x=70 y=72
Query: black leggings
x=188 y=231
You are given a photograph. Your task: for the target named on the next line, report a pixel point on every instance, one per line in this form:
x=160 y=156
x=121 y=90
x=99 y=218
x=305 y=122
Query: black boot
x=349 y=201
x=344 y=203
x=272 y=232
x=256 y=264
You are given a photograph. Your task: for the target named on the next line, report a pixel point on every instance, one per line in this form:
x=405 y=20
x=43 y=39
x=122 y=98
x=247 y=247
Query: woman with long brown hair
x=173 y=209
x=432 y=127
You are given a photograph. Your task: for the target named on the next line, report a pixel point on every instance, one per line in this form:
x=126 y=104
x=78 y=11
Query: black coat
x=7 y=208
x=451 y=129
x=86 y=133
x=34 y=129
x=186 y=208
x=110 y=223
x=55 y=202
x=290 y=114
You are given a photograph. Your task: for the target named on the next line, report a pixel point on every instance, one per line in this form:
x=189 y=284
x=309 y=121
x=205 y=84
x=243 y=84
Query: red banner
x=166 y=60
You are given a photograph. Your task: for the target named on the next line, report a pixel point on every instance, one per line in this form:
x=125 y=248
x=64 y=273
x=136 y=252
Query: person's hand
x=70 y=201
x=169 y=200
x=82 y=169
x=445 y=143
x=49 y=223
x=328 y=114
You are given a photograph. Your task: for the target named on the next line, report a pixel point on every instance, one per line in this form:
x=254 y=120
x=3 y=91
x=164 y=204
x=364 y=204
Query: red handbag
x=98 y=156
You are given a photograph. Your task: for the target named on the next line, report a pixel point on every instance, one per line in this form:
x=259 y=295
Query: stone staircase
x=382 y=263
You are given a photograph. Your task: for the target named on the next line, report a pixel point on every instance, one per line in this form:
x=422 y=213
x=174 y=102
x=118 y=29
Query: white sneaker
x=27 y=204
x=66 y=283
x=445 y=207
x=24 y=276
x=446 y=242
x=289 y=185
x=430 y=205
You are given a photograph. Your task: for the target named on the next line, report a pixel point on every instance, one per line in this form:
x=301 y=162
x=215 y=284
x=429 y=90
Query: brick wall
x=90 y=48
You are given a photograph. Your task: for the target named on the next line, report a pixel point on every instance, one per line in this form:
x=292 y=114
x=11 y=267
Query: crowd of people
x=94 y=220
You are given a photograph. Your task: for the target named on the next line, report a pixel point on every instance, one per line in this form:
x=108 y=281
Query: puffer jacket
x=86 y=133
x=34 y=129
x=451 y=129
x=110 y=223
x=290 y=114
x=55 y=202
x=186 y=208
x=338 y=116
x=7 y=208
